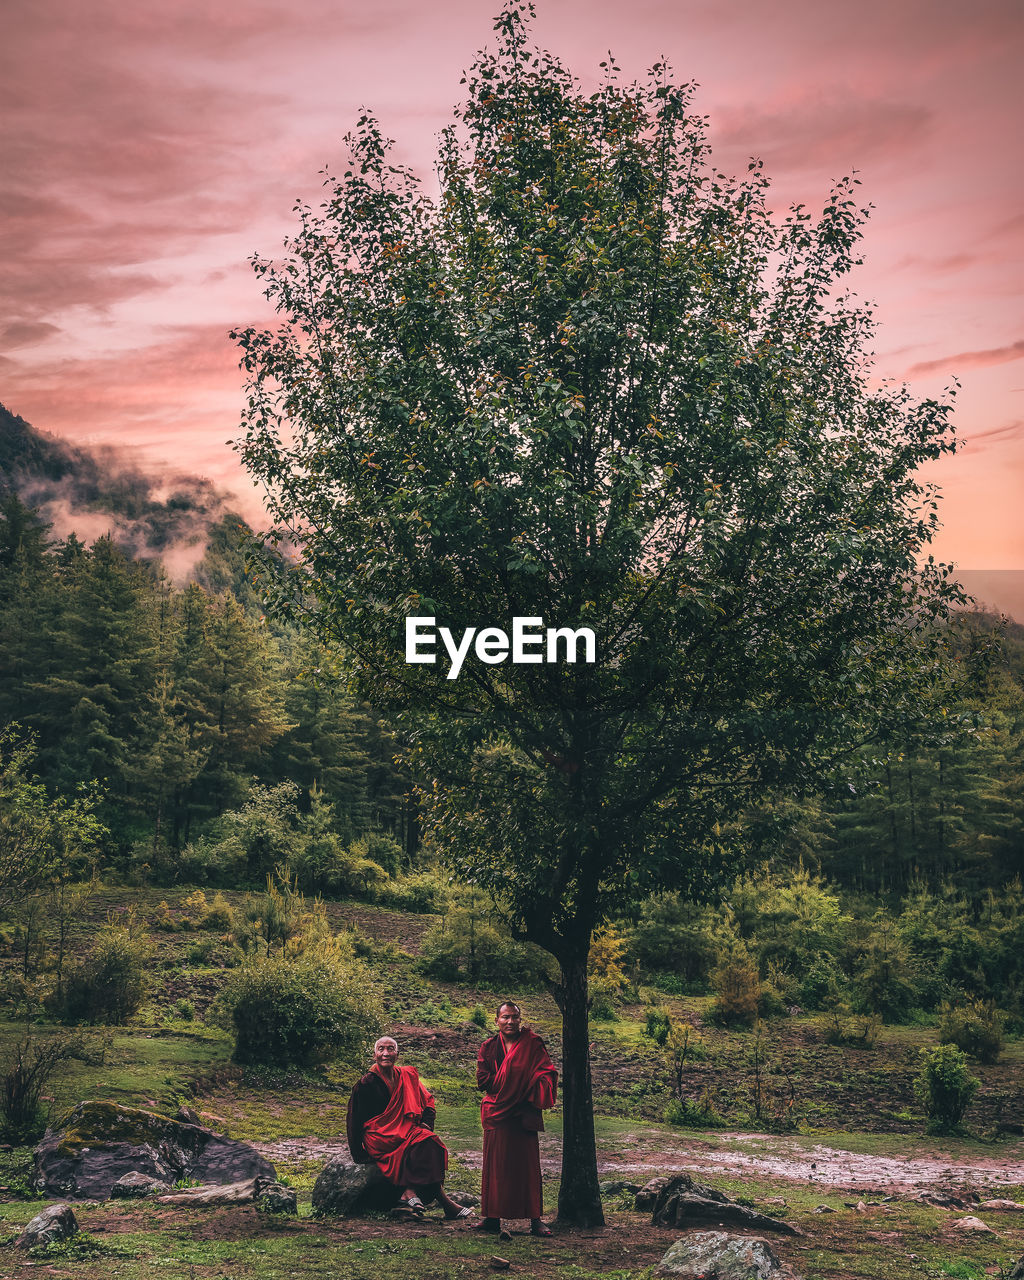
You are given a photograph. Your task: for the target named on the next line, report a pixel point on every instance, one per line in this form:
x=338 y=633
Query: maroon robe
x=519 y=1081
x=398 y=1136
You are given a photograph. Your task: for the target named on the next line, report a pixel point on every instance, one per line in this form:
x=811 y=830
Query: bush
x=945 y=1087
x=602 y=999
x=303 y=1010
x=423 y=894
x=738 y=987
x=219 y=915
x=110 y=984
x=687 y=1113
x=657 y=1025
x=975 y=1027
x=27 y=1069
x=479 y=1017
x=885 y=982
x=467 y=945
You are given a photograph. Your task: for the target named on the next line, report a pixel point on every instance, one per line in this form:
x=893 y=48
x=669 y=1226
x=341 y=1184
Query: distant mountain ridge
x=173 y=517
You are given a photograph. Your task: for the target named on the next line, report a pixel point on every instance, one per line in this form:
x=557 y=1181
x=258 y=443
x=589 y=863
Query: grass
x=164 y=1058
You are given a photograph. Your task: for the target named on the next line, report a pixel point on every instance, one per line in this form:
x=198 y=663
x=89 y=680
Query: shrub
x=469 y=945
x=423 y=894
x=110 y=984
x=479 y=1017
x=687 y=1113
x=28 y=1067
x=657 y=1025
x=201 y=950
x=738 y=987
x=945 y=1087
x=602 y=999
x=219 y=915
x=303 y=1010
x=975 y=1027
x=885 y=982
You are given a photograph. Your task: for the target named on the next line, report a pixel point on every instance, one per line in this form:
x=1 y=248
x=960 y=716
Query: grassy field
x=853 y=1136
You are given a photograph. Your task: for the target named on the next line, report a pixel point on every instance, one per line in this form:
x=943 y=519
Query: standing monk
x=519 y=1081
x=391 y=1122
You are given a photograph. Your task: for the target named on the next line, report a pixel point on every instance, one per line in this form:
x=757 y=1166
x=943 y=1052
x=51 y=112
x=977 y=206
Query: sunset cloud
x=969 y=360
x=149 y=149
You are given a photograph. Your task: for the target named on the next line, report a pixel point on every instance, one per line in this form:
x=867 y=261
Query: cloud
x=995 y=435
x=808 y=132
x=25 y=334
x=969 y=360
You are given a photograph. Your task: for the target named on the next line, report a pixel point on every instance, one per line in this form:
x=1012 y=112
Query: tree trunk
x=579 y=1196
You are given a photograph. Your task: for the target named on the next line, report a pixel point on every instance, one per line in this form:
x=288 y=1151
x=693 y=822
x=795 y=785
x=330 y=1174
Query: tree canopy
x=597 y=381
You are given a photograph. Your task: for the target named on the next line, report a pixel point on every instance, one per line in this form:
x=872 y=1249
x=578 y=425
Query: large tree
x=597 y=381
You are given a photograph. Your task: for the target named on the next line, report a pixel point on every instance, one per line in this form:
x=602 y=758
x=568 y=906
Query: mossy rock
x=98 y=1142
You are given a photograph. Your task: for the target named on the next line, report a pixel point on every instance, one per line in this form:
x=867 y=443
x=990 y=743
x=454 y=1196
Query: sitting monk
x=519 y=1081
x=391 y=1122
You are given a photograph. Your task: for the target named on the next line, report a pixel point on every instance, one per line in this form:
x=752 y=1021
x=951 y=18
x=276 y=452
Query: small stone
x=972 y=1224
x=275 y=1197
x=56 y=1222
x=824 y=1208
x=499 y=1264
x=133 y=1186
x=861 y=1207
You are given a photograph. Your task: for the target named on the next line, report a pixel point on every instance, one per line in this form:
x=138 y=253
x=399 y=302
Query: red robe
x=519 y=1081
x=389 y=1137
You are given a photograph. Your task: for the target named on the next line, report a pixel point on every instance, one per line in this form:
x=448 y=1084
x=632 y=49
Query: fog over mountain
x=177 y=518
x=92 y=492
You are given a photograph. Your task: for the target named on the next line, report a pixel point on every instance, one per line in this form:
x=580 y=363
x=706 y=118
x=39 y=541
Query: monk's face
x=385 y=1053
x=510 y=1021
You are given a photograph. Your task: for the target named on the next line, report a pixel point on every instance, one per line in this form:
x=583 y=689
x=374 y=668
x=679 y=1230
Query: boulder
x=715 y=1255
x=972 y=1224
x=133 y=1186
x=344 y=1189
x=98 y=1142
x=275 y=1197
x=668 y=1184
x=999 y=1204
x=681 y=1202
x=1018 y=1269
x=56 y=1222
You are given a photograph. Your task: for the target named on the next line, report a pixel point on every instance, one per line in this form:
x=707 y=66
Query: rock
x=465 y=1198
x=941 y=1199
x=860 y=1207
x=275 y=1197
x=999 y=1204
x=344 y=1188
x=972 y=1224
x=187 y=1116
x=499 y=1264
x=681 y=1202
x=1018 y=1270
x=671 y=1184
x=824 y=1208
x=56 y=1222
x=100 y=1141
x=715 y=1255
x=618 y=1187
x=133 y=1186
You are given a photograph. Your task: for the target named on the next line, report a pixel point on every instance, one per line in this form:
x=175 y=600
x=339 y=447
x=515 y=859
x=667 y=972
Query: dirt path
x=739 y=1154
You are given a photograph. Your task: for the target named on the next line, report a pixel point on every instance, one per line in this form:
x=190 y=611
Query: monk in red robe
x=519 y=1082
x=391 y=1122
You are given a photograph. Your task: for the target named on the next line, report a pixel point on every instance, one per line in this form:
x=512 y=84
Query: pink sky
x=149 y=149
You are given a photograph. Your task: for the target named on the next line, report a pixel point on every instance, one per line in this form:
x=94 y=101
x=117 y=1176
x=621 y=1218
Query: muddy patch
x=740 y=1155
